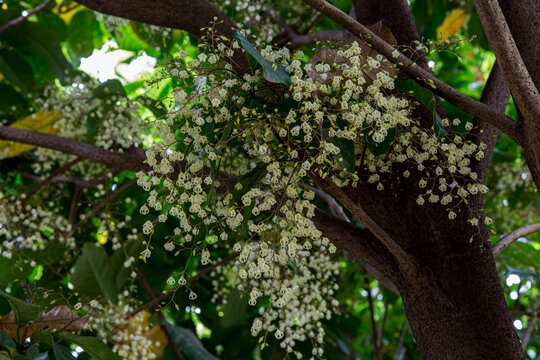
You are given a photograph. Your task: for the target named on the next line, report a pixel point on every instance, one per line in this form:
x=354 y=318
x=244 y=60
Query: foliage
x=219 y=225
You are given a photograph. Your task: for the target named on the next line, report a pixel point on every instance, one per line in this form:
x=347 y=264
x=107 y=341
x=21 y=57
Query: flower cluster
x=340 y=118
x=114 y=117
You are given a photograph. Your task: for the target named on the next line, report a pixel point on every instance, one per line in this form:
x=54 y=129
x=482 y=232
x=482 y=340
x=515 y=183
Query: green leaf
x=34 y=354
x=234 y=309
x=44 y=42
x=438 y=126
x=24 y=311
x=109 y=88
x=55 y=22
x=190 y=345
x=93 y=273
x=346 y=157
x=92 y=345
x=94 y=123
x=384 y=146
x=131 y=248
x=16 y=70
x=11 y=269
x=81 y=34
x=7 y=341
x=272 y=71
x=61 y=352
x=11 y=101
x=249 y=180
x=53 y=253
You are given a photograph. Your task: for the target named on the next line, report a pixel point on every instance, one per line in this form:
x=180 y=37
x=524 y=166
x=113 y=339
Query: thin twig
x=74 y=205
x=531 y=325
x=148 y=289
x=50 y=178
x=502 y=244
x=421 y=76
x=94 y=211
x=381 y=325
x=400 y=349
x=24 y=17
x=374 y=334
x=158 y=299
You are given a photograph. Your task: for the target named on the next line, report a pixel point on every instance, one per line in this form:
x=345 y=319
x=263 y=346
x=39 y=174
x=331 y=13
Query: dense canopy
x=269 y=179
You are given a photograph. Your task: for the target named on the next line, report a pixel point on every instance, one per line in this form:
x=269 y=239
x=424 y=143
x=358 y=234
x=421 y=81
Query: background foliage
x=48 y=49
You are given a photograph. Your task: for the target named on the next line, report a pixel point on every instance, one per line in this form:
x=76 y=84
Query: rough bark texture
x=523 y=18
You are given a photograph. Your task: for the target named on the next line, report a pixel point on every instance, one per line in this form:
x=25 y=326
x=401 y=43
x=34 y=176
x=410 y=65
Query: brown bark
x=512 y=29
x=189 y=15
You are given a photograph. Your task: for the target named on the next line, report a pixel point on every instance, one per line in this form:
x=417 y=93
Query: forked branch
x=423 y=77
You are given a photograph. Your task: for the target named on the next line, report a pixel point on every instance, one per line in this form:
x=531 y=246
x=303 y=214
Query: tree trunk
x=469 y=319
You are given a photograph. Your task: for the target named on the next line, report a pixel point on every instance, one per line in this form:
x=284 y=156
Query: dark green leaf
x=272 y=71
x=44 y=42
x=131 y=248
x=61 y=352
x=382 y=147
x=92 y=345
x=81 y=34
x=249 y=180
x=16 y=70
x=55 y=22
x=94 y=123
x=24 y=311
x=188 y=343
x=109 y=88
x=346 y=157
x=12 y=101
x=7 y=341
x=93 y=273
x=438 y=126
x=234 y=310
x=53 y=253
x=34 y=354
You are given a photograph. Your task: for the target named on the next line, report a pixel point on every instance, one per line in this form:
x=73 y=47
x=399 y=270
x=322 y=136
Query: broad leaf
x=61 y=352
x=451 y=24
x=93 y=273
x=272 y=71
x=189 y=344
x=92 y=345
x=7 y=340
x=109 y=88
x=81 y=34
x=16 y=69
x=346 y=157
x=23 y=311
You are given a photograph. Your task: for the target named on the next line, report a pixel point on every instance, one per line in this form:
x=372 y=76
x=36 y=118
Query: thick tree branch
x=496 y=95
x=423 y=77
x=397 y=16
x=190 y=15
x=515 y=72
x=73 y=147
x=508 y=239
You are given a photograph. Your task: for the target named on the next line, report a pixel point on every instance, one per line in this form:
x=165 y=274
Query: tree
x=273 y=134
